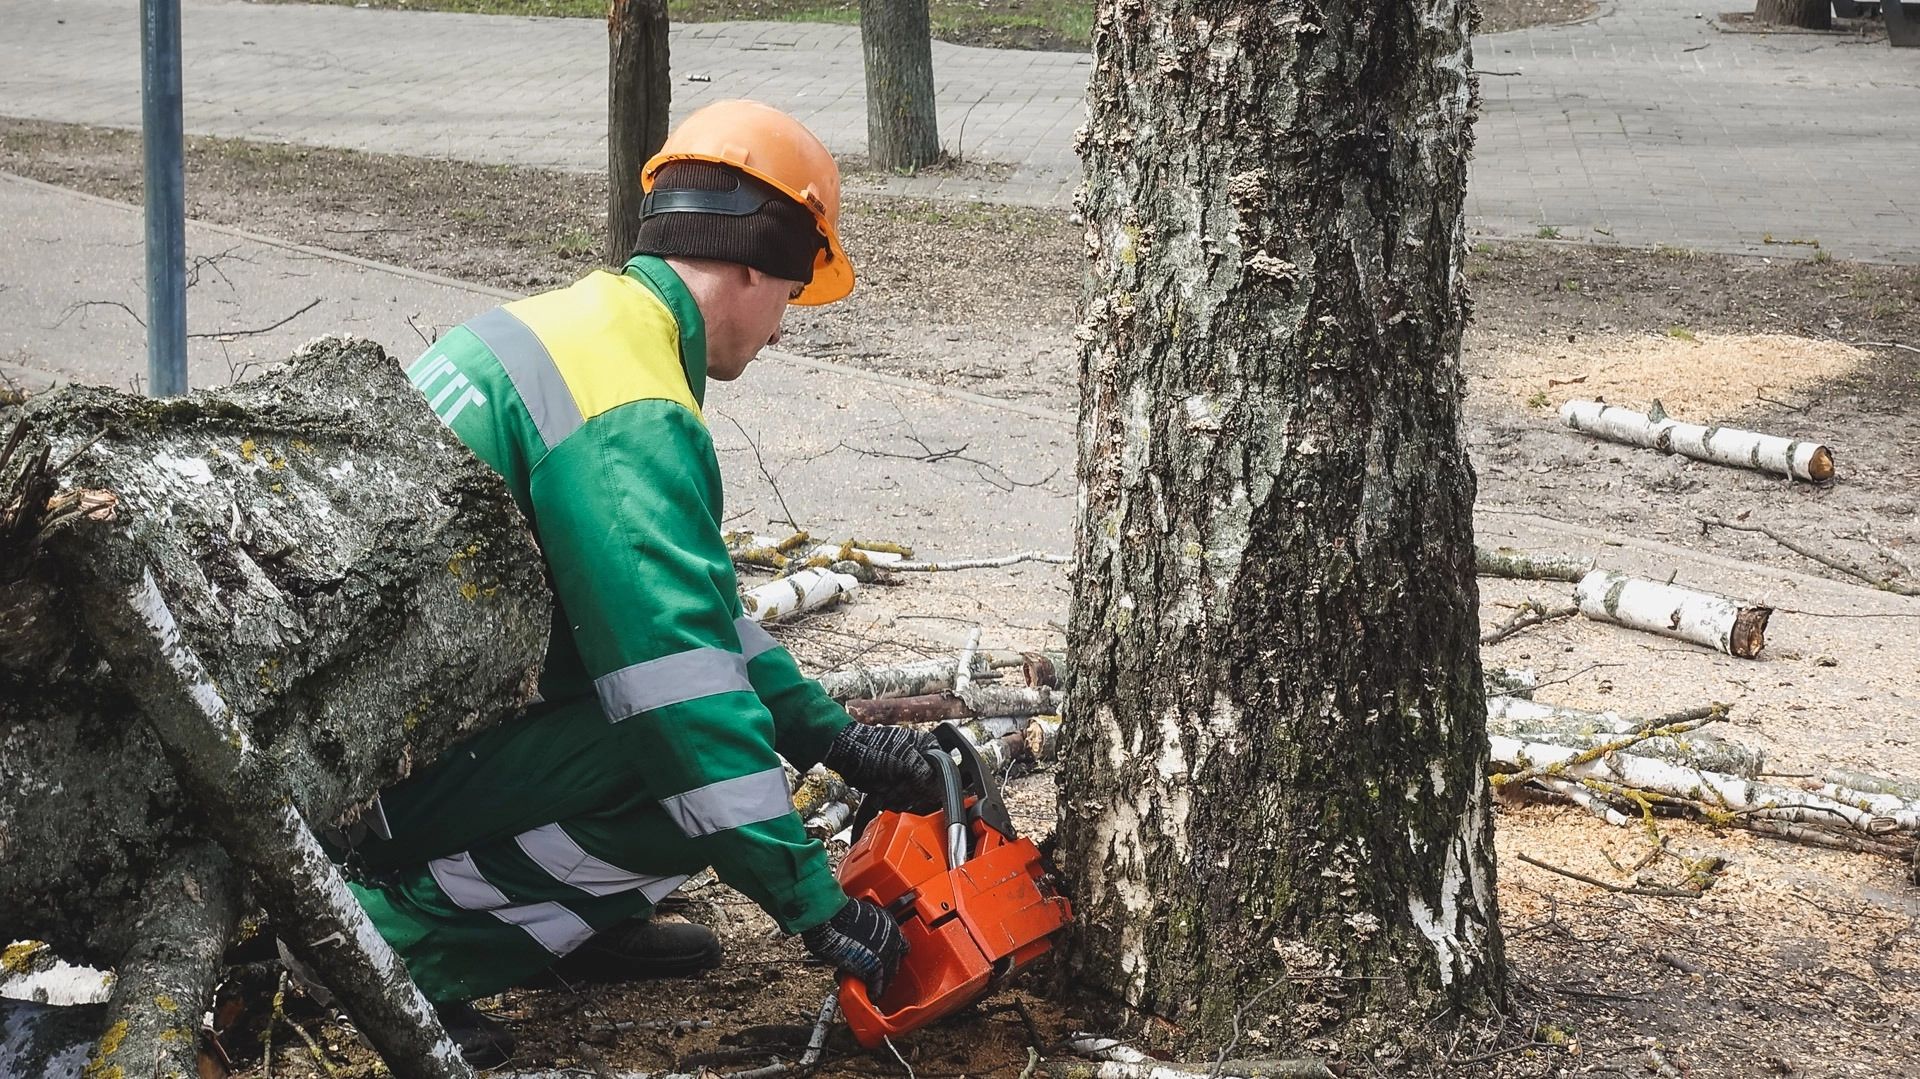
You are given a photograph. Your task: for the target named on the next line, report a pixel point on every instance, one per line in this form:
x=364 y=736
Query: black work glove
x=860 y=939
x=887 y=764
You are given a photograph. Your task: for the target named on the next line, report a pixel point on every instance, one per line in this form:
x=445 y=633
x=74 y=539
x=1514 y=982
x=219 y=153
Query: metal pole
x=160 y=126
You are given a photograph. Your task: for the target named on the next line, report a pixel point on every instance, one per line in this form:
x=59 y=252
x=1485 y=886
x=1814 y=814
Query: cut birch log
x=1655 y=430
x=1525 y=565
x=907 y=680
x=1534 y=722
x=992 y=700
x=1701 y=618
x=927 y=708
x=1727 y=798
x=1043 y=738
x=963 y=669
x=1585 y=799
x=798 y=593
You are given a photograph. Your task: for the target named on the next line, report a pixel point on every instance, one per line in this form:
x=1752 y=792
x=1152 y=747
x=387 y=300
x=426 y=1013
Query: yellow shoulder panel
x=612 y=340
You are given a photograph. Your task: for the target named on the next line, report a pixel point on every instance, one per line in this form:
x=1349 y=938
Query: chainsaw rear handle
x=953 y=799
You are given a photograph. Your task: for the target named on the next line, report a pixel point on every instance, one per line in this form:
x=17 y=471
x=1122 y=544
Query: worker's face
x=758 y=309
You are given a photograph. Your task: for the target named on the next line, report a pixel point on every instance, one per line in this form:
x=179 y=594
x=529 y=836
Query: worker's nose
x=775 y=339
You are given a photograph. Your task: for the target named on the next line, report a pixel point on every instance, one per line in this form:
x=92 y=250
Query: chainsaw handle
x=977 y=777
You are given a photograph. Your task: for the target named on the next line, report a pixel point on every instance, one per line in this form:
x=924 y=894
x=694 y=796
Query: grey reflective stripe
x=530 y=367
x=553 y=850
x=558 y=929
x=730 y=803
x=754 y=639
x=460 y=879
x=683 y=676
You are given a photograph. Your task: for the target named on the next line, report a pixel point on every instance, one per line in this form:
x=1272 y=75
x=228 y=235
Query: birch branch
x=167 y=979
x=1529 y=614
x=1697 y=617
x=1572 y=727
x=1585 y=799
x=1729 y=446
x=1115 y=1060
x=806 y=590
x=1591 y=753
x=244 y=804
x=773 y=552
x=1724 y=798
x=907 y=680
x=1522 y=565
x=1884 y=584
x=980 y=563
x=1871 y=784
x=963 y=670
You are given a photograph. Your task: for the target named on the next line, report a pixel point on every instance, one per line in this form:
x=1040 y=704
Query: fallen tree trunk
x=1702 y=618
x=907 y=680
x=1729 y=446
x=356 y=592
x=1524 y=565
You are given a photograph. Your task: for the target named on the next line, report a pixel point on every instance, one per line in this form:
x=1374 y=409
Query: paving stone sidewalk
x=1645 y=125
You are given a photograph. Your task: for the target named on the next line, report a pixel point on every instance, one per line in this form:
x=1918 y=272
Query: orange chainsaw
x=973 y=899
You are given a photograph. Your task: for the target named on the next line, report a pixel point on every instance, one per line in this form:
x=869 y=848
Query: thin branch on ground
x=256 y=331
x=988 y=471
x=1531 y=613
x=1884 y=584
x=766 y=474
x=896 y=1055
x=1220 y=1058
x=1584 y=670
x=1887 y=344
x=1619 y=889
x=80 y=305
x=979 y=563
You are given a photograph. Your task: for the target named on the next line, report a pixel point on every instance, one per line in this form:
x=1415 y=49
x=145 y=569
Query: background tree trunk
x=902 y=132
x=1810 y=14
x=1273 y=782
x=638 y=93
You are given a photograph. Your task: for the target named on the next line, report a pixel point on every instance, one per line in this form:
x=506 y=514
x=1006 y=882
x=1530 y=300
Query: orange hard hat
x=771 y=146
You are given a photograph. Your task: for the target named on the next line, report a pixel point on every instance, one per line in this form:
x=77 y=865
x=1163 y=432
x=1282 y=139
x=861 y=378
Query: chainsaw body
x=974 y=903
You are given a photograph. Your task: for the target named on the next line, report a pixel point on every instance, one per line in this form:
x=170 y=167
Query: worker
x=655 y=750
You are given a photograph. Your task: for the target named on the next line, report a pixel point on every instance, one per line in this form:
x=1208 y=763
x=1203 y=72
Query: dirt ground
x=1796 y=961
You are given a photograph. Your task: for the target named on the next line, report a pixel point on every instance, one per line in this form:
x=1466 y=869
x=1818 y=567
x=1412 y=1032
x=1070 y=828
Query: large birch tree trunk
x=1272 y=782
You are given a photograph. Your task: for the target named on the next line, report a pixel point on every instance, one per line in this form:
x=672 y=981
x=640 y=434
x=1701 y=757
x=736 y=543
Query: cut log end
x=1749 y=632
x=1820 y=465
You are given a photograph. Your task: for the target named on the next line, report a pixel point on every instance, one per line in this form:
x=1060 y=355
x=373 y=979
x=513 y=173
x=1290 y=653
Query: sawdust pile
x=1703 y=377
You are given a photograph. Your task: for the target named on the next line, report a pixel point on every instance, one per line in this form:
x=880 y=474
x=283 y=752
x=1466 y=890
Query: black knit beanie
x=779 y=237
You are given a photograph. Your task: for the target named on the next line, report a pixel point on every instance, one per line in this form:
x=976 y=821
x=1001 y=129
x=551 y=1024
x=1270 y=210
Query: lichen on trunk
x=361 y=588
x=1272 y=772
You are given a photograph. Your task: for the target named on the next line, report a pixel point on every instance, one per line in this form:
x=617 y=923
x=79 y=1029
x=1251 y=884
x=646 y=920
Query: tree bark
x=1807 y=14
x=902 y=132
x=360 y=587
x=638 y=93
x=1276 y=687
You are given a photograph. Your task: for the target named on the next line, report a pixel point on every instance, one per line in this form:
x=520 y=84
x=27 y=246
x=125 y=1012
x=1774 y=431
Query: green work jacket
x=587 y=400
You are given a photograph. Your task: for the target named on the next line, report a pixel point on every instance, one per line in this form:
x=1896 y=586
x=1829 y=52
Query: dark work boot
x=637 y=949
x=482 y=1041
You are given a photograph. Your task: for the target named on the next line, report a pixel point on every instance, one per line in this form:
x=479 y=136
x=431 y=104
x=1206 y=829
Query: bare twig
x=1621 y=889
x=81 y=305
x=928 y=455
x=1885 y=584
x=1584 y=670
x=1529 y=614
x=1886 y=344
x=229 y=334
x=979 y=563
x=765 y=473
x=896 y=1055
